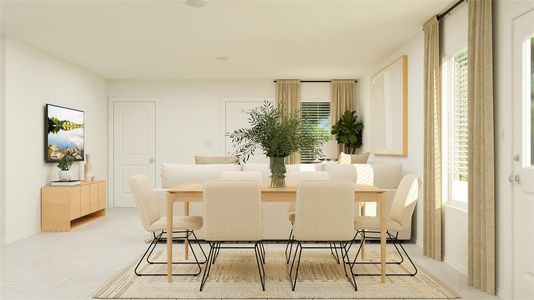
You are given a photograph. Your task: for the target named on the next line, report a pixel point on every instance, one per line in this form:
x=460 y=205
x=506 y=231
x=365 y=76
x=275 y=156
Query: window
x=315 y=115
x=455 y=127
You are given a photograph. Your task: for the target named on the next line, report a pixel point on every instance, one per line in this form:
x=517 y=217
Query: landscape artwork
x=64 y=132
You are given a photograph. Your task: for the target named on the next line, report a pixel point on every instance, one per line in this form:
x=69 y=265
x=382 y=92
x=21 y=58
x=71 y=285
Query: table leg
x=383 y=225
x=362 y=213
x=169 y=237
x=186 y=242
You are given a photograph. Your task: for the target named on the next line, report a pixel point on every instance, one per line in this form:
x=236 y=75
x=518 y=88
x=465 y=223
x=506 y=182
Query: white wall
x=2 y=140
x=504 y=14
x=189 y=115
x=413 y=163
x=32 y=79
x=454 y=39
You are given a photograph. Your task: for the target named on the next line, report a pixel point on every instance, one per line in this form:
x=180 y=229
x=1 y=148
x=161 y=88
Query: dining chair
x=399 y=219
x=292 y=179
x=147 y=205
x=242 y=175
x=324 y=213
x=232 y=215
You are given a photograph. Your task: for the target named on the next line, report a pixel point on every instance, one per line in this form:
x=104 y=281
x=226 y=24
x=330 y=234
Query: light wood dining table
x=187 y=193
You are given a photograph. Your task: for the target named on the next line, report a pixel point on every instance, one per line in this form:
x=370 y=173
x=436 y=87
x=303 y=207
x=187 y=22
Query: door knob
x=513 y=178
x=151 y=161
x=517 y=157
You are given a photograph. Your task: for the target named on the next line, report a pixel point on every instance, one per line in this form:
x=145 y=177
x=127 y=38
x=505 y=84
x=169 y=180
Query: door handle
x=513 y=178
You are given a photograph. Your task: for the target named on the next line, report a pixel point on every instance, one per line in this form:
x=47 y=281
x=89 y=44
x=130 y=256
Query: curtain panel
x=481 y=190
x=288 y=98
x=432 y=142
x=343 y=92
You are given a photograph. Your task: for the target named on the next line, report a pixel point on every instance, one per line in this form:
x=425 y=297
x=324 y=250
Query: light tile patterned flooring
x=74 y=265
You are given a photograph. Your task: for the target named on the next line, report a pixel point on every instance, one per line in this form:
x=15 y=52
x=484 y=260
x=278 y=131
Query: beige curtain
x=481 y=213
x=432 y=150
x=343 y=99
x=288 y=97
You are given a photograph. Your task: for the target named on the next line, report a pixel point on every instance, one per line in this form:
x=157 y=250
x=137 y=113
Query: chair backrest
x=293 y=178
x=242 y=176
x=405 y=200
x=145 y=199
x=232 y=211
x=325 y=211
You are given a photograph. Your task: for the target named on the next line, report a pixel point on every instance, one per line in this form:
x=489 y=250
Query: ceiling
x=263 y=39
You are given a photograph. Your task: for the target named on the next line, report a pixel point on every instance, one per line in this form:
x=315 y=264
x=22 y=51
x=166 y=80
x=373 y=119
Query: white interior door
x=134 y=146
x=523 y=177
x=236 y=117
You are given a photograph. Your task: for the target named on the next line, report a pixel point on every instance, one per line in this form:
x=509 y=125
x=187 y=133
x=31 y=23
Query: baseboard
x=21 y=236
x=458 y=267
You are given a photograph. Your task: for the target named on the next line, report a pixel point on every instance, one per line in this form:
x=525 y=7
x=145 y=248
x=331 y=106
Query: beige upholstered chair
x=324 y=213
x=400 y=217
x=147 y=206
x=242 y=176
x=232 y=213
x=293 y=179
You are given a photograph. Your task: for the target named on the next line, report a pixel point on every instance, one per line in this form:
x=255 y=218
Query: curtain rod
x=440 y=16
x=313 y=81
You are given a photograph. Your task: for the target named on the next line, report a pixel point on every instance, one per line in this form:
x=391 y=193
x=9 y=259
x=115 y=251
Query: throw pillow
x=210 y=160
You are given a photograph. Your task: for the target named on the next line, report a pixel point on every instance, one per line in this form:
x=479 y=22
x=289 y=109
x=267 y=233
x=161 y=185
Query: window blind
x=315 y=115
x=460 y=118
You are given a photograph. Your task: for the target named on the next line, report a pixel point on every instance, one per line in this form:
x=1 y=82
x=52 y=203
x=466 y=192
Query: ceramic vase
x=88 y=168
x=64 y=175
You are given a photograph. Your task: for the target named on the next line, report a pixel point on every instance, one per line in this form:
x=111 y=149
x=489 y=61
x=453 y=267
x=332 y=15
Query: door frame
x=516 y=166
x=111 y=154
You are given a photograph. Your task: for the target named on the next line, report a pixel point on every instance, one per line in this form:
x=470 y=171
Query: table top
x=198 y=187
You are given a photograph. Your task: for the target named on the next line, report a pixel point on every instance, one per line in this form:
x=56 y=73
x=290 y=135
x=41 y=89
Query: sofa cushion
x=341 y=172
x=201 y=160
x=345 y=159
x=175 y=174
x=387 y=176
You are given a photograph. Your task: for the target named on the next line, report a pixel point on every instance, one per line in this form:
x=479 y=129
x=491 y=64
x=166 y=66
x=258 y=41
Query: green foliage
x=64 y=163
x=277 y=133
x=349 y=131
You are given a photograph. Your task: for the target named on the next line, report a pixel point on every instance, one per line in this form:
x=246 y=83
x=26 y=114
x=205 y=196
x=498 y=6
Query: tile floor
x=73 y=265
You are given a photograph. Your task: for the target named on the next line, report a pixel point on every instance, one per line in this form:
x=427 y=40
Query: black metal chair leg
x=352 y=278
x=294 y=282
x=259 y=262
x=153 y=243
x=207 y=268
x=289 y=245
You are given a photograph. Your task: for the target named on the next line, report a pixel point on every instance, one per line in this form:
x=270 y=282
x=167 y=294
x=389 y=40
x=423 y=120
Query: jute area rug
x=235 y=275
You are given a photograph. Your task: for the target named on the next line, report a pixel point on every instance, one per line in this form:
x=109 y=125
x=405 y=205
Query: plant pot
x=65 y=175
x=278 y=172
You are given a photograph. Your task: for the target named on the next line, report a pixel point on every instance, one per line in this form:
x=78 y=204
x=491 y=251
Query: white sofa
x=275 y=223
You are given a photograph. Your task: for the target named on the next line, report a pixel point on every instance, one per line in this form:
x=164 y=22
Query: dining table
x=193 y=192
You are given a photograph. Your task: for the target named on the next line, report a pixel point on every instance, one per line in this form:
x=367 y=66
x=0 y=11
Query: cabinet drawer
x=85 y=204
x=75 y=205
x=93 y=200
x=102 y=195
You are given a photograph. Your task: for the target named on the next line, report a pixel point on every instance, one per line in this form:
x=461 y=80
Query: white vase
x=88 y=168
x=65 y=175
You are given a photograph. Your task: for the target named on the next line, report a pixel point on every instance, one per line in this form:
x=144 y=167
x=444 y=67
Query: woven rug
x=235 y=275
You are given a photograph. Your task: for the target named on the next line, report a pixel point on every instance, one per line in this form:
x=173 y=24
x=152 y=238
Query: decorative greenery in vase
x=64 y=167
x=349 y=131
x=279 y=134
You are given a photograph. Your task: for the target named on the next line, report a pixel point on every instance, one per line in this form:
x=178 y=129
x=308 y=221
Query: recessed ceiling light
x=222 y=58
x=195 y=3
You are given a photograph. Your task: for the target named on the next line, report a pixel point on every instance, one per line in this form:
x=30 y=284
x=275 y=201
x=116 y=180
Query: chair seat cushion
x=291 y=217
x=178 y=223
x=373 y=223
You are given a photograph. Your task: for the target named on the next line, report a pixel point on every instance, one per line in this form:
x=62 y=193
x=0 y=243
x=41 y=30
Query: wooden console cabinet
x=65 y=206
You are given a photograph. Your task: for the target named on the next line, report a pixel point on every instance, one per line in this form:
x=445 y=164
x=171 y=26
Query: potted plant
x=64 y=168
x=278 y=134
x=349 y=131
